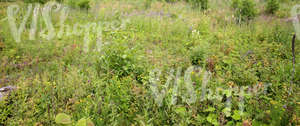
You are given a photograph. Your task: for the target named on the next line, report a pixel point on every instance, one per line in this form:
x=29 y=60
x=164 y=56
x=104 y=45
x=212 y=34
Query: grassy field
x=94 y=63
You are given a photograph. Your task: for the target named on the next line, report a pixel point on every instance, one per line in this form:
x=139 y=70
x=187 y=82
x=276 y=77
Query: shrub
x=198 y=55
x=235 y=3
x=272 y=6
x=244 y=9
x=117 y=62
x=120 y=62
x=202 y=4
x=84 y=4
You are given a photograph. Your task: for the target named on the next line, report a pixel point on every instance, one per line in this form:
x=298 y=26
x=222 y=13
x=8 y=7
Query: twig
x=294 y=56
x=288 y=107
x=294 y=62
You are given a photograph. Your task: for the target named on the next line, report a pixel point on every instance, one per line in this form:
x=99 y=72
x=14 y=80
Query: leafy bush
x=83 y=4
x=198 y=55
x=272 y=6
x=120 y=62
x=235 y=4
x=244 y=9
x=202 y=4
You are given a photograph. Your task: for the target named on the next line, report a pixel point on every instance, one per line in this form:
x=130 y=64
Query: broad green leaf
x=230 y=123
x=84 y=122
x=210 y=109
x=212 y=118
x=228 y=93
x=180 y=110
x=236 y=115
x=227 y=112
x=200 y=118
x=63 y=118
x=209 y=118
x=81 y=122
x=89 y=122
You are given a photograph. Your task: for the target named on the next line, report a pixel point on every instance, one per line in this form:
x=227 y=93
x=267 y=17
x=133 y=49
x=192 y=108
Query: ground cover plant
x=149 y=62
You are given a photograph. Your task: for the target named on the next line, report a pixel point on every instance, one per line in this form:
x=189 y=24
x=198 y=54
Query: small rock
x=7 y=88
x=5 y=91
x=1 y=96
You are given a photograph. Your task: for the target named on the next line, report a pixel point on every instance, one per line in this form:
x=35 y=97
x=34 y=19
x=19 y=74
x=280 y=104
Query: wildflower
x=89 y=96
x=284 y=106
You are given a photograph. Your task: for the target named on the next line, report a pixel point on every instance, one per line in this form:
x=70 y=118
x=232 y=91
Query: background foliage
x=58 y=82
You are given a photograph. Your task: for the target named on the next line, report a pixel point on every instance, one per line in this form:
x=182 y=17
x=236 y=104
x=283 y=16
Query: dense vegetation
x=245 y=45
